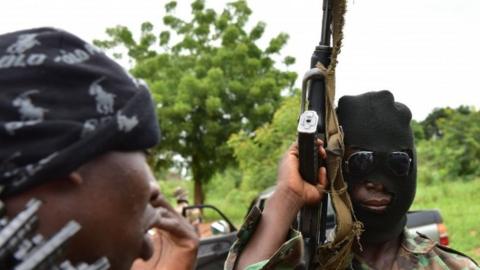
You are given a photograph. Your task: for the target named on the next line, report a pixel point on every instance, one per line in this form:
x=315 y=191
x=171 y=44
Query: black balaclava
x=62 y=103
x=374 y=121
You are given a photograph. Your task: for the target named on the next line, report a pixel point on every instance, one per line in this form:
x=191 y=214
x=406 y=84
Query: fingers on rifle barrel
x=294 y=149
x=321 y=149
x=322 y=176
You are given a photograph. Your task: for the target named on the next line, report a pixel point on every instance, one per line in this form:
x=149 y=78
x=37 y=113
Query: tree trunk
x=198 y=178
x=198 y=192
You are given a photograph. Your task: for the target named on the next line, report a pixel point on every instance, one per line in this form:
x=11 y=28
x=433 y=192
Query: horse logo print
x=27 y=110
x=125 y=123
x=105 y=101
x=24 y=43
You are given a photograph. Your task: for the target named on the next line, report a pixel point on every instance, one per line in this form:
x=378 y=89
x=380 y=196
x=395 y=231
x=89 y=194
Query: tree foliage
x=456 y=154
x=210 y=80
x=430 y=125
x=418 y=131
x=259 y=153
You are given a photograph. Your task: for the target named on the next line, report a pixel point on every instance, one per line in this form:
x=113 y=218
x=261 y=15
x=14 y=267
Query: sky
x=424 y=51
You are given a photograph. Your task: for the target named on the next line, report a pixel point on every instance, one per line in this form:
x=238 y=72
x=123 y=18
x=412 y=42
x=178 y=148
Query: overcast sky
x=425 y=51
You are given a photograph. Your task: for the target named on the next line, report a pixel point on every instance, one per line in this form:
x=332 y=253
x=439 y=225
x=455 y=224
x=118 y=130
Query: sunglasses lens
x=399 y=163
x=360 y=163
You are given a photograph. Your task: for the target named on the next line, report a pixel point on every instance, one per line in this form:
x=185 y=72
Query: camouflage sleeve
x=421 y=253
x=286 y=257
x=455 y=260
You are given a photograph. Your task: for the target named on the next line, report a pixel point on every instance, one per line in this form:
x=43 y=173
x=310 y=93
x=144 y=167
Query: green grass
x=459 y=204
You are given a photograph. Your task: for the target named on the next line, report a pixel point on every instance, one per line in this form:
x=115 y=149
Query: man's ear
x=75 y=178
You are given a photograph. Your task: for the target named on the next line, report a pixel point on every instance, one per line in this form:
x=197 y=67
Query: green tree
x=210 y=79
x=456 y=153
x=430 y=125
x=258 y=153
x=462 y=138
x=418 y=131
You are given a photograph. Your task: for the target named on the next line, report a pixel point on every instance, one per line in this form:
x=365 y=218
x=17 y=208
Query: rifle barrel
x=312 y=219
x=326 y=22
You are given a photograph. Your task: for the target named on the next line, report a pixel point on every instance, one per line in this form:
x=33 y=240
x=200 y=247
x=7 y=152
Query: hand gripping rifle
x=312 y=126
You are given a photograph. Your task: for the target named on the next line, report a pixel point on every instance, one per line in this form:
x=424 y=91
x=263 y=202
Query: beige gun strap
x=337 y=254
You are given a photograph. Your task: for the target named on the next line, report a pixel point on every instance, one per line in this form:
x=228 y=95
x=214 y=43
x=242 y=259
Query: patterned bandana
x=62 y=103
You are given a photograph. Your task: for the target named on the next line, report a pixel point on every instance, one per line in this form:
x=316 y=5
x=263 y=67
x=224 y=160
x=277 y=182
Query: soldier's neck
x=379 y=255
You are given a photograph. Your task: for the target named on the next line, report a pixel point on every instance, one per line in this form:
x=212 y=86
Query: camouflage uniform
x=416 y=252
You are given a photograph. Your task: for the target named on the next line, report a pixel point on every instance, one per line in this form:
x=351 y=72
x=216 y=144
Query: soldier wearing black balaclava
x=380 y=169
x=375 y=122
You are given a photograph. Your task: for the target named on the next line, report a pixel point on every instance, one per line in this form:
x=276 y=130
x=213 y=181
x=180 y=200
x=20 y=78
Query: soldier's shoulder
x=450 y=257
x=456 y=258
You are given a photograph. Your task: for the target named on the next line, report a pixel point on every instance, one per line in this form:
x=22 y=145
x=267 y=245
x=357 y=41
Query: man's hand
x=175 y=241
x=281 y=209
x=290 y=181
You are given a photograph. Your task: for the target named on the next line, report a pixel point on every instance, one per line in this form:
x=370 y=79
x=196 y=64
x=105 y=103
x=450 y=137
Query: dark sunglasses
x=362 y=163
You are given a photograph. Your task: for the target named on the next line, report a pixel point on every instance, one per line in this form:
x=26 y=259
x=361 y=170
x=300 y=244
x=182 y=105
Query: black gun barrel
x=326 y=23
x=312 y=222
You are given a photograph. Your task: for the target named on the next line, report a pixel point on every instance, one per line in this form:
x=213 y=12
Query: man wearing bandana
x=74 y=130
x=380 y=169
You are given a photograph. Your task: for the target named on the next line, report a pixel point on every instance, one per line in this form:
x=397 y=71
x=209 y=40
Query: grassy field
x=459 y=204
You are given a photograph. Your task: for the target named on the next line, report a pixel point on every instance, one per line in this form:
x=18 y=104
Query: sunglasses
x=362 y=163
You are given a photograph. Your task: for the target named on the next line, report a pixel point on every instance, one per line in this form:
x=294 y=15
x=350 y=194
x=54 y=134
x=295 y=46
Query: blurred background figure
x=194 y=216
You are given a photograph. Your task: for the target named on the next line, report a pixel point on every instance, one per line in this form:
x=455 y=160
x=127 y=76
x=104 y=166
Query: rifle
x=312 y=126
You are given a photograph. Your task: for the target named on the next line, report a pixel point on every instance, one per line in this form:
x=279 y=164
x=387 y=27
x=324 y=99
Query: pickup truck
x=213 y=249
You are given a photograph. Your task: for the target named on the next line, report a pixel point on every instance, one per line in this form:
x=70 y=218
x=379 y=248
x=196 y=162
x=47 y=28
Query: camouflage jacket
x=416 y=252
